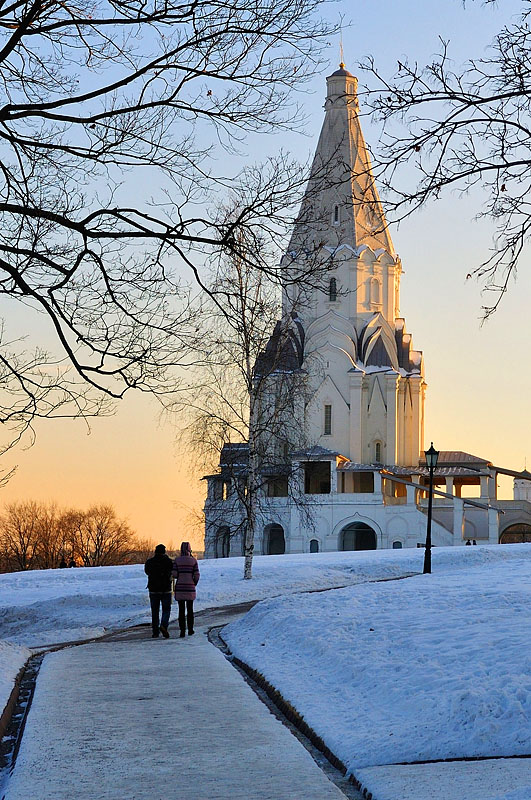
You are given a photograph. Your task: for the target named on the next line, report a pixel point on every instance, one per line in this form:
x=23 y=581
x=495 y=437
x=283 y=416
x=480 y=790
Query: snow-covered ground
x=492 y=779
x=431 y=667
x=43 y=607
x=428 y=667
x=47 y=606
x=12 y=658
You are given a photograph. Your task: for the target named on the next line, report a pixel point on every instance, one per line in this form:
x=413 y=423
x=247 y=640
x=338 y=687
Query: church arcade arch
x=357 y=536
x=519 y=532
x=274 y=542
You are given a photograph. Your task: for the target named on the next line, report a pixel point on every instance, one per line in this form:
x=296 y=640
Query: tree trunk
x=253 y=483
x=248 y=549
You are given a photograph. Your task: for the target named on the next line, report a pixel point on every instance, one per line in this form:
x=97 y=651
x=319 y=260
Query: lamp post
x=431 y=460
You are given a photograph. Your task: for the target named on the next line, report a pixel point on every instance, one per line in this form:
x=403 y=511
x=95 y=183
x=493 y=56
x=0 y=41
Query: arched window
x=332 y=290
x=314 y=546
x=378 y=452
x=336 y=215
x=397 y=545
x=376 y=291
x=327 y=428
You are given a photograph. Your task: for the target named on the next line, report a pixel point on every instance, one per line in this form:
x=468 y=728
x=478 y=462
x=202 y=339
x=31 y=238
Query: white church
x=363 y=471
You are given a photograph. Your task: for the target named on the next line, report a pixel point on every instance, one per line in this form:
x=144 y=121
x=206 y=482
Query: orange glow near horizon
x=127 y=461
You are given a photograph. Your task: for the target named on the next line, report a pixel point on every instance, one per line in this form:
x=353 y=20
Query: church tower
x=368 y=382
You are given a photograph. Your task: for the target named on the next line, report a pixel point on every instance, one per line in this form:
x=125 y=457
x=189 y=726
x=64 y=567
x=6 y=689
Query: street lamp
x=431 y=460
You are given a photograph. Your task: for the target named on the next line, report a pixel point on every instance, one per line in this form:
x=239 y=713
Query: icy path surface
x=499 y=779
x=156 y=720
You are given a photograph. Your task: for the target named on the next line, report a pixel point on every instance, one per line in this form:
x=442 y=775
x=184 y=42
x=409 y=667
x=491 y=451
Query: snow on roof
x=316 y=452
x=457 y=457
x=351 y=466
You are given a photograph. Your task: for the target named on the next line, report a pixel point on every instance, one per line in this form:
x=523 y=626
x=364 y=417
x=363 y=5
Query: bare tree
x=463 y=128
x=113 y=116
x=20 y=528
x=52 y=537
x=142 y=550
x=39 y=535
x=100 y=538
x=245 y=408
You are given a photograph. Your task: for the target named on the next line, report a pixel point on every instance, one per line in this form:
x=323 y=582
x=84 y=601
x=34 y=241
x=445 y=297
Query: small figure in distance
x=158 y=569
x=62 y=564
x=72 y=562
x=474 y=541
x=468 y=541
x=186 y=574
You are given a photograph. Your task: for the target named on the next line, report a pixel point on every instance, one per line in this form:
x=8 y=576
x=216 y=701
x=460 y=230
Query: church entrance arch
x=357 y=536
x=274 y=542
x=521 y=532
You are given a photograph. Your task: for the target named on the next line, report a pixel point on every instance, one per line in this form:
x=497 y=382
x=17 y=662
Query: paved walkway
x=157 y=719
x=508 y=778
x=131 y=718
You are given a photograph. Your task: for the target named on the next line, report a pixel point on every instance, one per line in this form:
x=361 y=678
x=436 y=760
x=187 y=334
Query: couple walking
x=160 y=569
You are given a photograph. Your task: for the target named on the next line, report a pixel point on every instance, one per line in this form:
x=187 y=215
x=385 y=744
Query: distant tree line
x=43 y=536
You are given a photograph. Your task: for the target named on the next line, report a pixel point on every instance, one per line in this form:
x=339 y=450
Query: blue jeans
x=158 y=599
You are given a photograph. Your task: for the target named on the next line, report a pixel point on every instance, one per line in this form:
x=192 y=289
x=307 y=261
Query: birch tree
x=248 y=396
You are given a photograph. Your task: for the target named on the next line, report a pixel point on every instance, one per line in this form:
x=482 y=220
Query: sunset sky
x=479 y=377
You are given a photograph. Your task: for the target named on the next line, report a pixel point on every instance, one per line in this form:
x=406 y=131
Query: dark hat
x=160 y=548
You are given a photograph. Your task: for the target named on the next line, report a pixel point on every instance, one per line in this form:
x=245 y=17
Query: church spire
x=341 y=205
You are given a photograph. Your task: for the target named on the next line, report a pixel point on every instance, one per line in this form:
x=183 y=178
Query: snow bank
x=492 y=779
x=435 y=666
x=12 y=658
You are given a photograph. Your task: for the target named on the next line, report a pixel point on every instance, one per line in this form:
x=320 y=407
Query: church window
x=336 y=215
x=362 y=482
x=378 y=452
x=223 y=542
x=327 y=420
x=314 y=546
x=376 y=291
x=332 y=290
x=277 y=486
x=317 y=477
x=397 y=545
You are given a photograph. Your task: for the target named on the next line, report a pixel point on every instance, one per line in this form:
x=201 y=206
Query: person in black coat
x=158 y=569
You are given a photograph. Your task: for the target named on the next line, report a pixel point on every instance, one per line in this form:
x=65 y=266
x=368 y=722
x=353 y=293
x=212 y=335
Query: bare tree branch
x=462 y=129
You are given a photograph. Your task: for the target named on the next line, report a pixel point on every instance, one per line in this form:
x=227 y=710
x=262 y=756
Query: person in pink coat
x=186 y=574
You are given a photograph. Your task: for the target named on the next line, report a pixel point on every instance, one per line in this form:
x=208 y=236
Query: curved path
x=131 y=718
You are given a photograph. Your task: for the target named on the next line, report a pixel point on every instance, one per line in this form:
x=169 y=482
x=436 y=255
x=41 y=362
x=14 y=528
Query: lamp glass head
x=431 y=457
